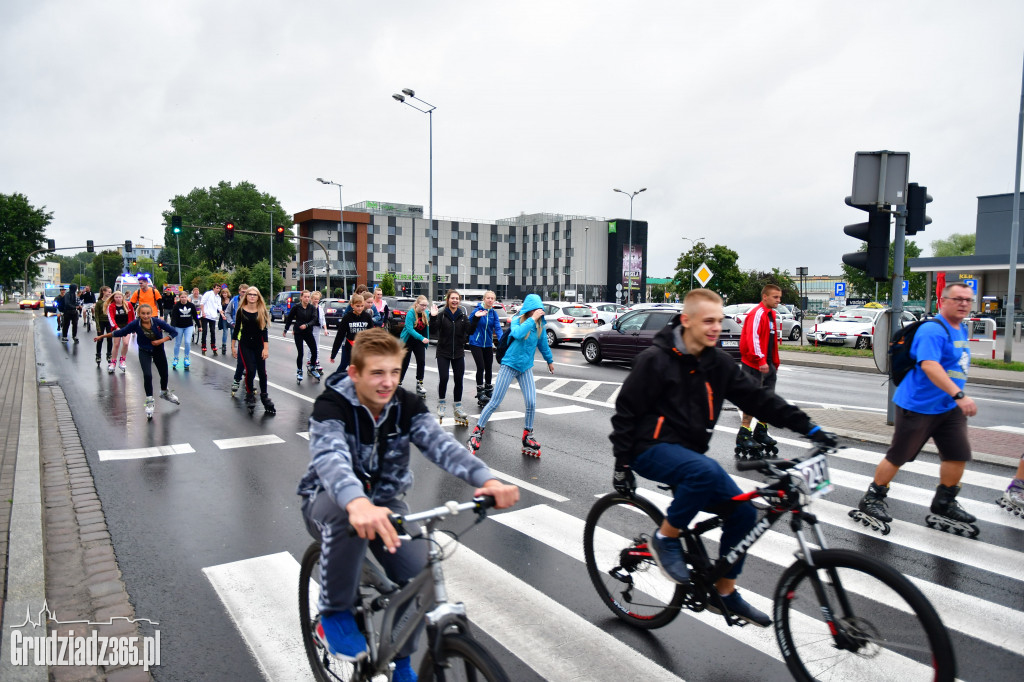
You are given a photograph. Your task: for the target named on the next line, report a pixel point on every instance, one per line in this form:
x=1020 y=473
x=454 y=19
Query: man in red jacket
x=759 y=353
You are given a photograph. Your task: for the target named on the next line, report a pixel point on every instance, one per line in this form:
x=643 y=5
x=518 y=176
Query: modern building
x=128 y=258
x=544 y=253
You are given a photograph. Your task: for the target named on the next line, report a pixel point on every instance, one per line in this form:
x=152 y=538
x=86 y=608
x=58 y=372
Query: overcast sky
x=740 y=118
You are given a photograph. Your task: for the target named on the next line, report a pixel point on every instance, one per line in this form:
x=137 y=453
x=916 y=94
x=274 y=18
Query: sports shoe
x=668 y=552
x=122 y=365
x=403 y=671
x=739 y=607
x=110 y=367
x=170 y=397
x=341 y=637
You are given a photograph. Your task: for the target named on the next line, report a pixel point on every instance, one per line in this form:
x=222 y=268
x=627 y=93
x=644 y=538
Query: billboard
x=632 y=265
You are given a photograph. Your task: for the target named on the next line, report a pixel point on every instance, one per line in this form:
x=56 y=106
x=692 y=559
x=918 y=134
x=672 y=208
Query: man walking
x=930 y=403
x=759 y=357
x=209 y=314
x=70 y=314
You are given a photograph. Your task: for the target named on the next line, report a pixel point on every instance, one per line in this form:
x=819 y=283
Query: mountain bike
x=87 y=315
x=451 y=652
x=838 y=614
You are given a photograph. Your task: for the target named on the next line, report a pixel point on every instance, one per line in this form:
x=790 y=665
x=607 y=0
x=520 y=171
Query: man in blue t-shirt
x=930 y=403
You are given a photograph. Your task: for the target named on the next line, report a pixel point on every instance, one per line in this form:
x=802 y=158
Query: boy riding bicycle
x=359 y=435
x=664 y=417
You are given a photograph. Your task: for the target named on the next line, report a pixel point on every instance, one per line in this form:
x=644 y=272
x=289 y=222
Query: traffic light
x=917 y=203
x=279 y=234
x=229 y=230
x=874 y=261
x=89 y=246
x=128 y=245
x=176 y=224
x=51 y=245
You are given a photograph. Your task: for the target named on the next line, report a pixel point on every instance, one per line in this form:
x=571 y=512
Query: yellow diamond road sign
x=703 y=274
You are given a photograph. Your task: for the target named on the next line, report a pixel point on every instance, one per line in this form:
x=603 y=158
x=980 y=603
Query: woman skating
x=451 y=328
x=484 y=333
x=252 y=342
x=416 y=335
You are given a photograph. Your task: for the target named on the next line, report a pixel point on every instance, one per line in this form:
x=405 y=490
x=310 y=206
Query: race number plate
x=815 y=473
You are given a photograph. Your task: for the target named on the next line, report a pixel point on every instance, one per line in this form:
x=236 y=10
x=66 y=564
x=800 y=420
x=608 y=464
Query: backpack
x=502 y=346
x=900 y=359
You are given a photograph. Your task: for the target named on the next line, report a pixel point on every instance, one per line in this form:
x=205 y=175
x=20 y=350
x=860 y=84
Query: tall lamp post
x=429 y=111
x=341 y=236
x=631 y=195
x=586 y=258
x=270 y=213
x=693 y=243
x=801 y=272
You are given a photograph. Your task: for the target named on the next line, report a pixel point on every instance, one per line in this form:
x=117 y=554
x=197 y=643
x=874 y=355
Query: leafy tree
x=22 y=231
x=106 y=266
x=72 y=266
x=241 y=204
x=858 y=283
x=150 y=266
x=339 y=292
x=955 y=245
x=197 y=277
x=721 y=260
x=387 y=284
x=241 y=275
x=756 y=281
x=261 y=279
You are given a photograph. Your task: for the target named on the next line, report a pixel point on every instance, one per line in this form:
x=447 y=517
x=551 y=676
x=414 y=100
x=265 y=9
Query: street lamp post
x=341 y=236
x=630 y=263
x=693 y=243
x=586 y=258
x=270 y=213
x=411 y=94
x=802 y=272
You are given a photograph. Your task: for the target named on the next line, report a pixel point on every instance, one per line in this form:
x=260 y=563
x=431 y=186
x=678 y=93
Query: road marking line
x=586 y=389
x=836 y=406
x=269 y=383
x=614 y=396
x=247 y=441
x=143 y=453
x=501 y=416
x=1007 y=429
x=528 y=486
x=302 y=434
x=564 y=409
x=555 y=384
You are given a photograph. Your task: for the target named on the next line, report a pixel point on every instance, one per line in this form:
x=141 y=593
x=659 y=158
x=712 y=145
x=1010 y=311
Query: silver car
x=608 y=312
x=567 y=321
x=790 y=325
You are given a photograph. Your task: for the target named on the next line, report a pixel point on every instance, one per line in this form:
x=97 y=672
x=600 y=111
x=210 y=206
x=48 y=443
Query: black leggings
x=212 y=326
x=304 y=337
x=482 y=358
x=103 y=327
x=458 y=366
x=252 y=358
x=417 y=348
x=69 y=318
x=147 y=359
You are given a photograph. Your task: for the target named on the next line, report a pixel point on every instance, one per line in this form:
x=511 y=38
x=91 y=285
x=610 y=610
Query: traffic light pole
x=896 y=312
x=28 y=259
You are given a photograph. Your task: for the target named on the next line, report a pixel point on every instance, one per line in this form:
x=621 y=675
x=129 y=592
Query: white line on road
x=269 y=383
x=586 y=389
x=555 y=384
x=563 y=409
x=143 y=453
x=247 y=441
x=529 y=486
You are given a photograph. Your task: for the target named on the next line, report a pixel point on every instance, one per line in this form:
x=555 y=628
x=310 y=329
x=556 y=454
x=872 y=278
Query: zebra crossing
x=557 y=642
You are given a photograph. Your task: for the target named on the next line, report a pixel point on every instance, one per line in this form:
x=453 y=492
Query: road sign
x=703 y=274
x=868 y=175
x=840 y=289
x=972 y=283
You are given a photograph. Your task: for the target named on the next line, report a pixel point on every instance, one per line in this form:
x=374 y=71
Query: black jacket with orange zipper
x=671 y=396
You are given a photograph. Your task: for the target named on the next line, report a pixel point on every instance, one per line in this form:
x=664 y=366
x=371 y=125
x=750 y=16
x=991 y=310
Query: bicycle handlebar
x=451 y=508
x=767 y=465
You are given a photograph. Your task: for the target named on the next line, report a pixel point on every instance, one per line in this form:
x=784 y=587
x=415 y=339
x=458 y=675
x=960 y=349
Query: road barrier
x=988 y=330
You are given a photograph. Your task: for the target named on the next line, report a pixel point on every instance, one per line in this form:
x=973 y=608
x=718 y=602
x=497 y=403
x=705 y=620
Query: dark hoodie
x=671 y=396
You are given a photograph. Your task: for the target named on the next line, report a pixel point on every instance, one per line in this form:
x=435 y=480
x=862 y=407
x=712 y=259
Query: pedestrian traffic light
x=229 y=230
x=128 y=245
x=51 y=245
x=875 y=260
x=279 y=234
x=176 y=224
x=917 y=203
x=89 y=246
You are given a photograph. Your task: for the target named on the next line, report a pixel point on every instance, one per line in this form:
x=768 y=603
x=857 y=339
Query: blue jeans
x=701 y=484
x=184 y=337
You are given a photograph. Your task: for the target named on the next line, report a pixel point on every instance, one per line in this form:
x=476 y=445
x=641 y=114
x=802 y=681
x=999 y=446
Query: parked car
x=791 y=327
x=567 y=321
x=334 y=308
x=608 y=312
x=917 y=310
x=400 y=305
x=30 y=303
x=653 y=306
x=283 y=303
x=504 y=316
x=635 y=330
x=854 y=328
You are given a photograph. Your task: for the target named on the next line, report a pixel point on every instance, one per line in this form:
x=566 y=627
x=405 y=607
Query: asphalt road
x=186 y=526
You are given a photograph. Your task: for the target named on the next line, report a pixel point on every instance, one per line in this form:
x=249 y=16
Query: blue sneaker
x=339 y=633
x=668 y=552
x=741 y=609
x=403 y=671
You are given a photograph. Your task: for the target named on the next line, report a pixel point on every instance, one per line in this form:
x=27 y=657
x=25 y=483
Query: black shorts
x=763 y=380
x=913 y=429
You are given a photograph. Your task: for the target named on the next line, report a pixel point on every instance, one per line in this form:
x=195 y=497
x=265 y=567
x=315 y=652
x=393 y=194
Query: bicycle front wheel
x=325 y=667
x=620 y=564
x=886 y=628
x=466 y=660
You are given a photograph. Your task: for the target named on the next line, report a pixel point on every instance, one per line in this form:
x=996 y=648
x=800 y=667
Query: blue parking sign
x=840 y=289
x=972 y=283
x=906 y=288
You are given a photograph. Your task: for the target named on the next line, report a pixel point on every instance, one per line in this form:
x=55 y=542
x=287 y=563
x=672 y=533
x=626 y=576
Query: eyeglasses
x=253 y=295
x=960 y=300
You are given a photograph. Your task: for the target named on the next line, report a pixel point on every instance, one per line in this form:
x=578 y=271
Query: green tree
x=859 y=284
x=106 y=266
x=261 y=280
x=955 y=245
x=241 y=204
x=339 y=292
x=22 y=231
x=756 y=281
x=73 y=266
x=728 y=280
x=241 y=275
x=387 y=284
x=197 y=277
x=150 y=266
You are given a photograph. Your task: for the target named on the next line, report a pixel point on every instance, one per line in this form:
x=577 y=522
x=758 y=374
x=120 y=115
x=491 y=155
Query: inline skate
x=298 y=376
x=314 y=372
x=872 y=510
x=419 y=390
x=111 y=366
x=947 y=514
x=746 y=446
x=170 y=397
x=234 y=387
x=442 y=407
x=476 y=438
x=767 y=443
x=150 y=408
x=268 y=404
x=187 y=364
x=97 y=359
x=531 y=448
x=1013 y=499
x=250 y=402
x=482 y=398
x=174 y=364
x=461 y=418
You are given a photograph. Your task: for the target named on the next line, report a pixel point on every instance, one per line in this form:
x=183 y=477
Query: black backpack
x=502 y=347
x=900 y=359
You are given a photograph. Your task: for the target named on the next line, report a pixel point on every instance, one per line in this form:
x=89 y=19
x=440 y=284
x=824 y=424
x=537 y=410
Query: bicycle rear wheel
x=325 y=667
x=625 y=575
x=888 y=629
x=466 y=660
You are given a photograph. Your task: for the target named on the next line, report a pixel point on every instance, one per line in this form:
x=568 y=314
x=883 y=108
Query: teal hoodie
x=525 y=339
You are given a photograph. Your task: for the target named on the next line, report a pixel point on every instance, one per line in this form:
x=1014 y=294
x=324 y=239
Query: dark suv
x=400 y=305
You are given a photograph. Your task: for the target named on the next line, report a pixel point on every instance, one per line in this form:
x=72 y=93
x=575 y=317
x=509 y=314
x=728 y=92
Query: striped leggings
x=505 y=376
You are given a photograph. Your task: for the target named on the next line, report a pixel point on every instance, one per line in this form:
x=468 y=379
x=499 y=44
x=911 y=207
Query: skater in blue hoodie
x=527 y=336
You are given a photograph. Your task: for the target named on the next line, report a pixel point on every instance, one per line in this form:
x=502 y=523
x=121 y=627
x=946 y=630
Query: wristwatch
x=959 y=395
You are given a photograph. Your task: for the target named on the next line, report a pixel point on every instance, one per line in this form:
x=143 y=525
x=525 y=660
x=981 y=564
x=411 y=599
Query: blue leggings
x=701 y=484
x=505 y=376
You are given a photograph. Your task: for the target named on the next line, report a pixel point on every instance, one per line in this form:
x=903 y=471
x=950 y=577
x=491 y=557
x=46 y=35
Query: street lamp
x=411 y=94
x=270 y=213
x=693 y=243
x=586 y=258
x=630 y=264
x=465 y=282
x=801 y=272
x=341 y=235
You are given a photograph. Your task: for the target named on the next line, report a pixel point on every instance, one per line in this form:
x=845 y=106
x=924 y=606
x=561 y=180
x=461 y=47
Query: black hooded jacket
x=671 y=396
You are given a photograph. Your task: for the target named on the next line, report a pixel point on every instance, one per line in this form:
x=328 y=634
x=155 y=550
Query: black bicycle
x=838 y=614
x=451 y=654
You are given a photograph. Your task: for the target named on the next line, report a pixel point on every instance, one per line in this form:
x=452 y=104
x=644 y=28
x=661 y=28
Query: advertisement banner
x=632 y=265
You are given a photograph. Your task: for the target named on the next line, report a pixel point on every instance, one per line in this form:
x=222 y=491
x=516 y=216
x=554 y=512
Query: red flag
x=940 y=284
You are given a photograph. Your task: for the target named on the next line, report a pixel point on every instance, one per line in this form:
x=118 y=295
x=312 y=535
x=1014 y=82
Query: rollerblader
x=318 y=330
x=304 y=316
x=120 y=314
x=250 y=340
x=461 y=418
x=103 y=323
x=759 y=356
x=357 y=319
x=236 y=303
x=484 y=334
x=527 y=336
x=183 y=315
x=209 y=314
x=930 y=403
x=416 y=336
x=451 y=327
x=664 y=418
x=1013 y=499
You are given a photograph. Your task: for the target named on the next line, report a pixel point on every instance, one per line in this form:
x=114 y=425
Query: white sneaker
x=110 y=367
x=122 y=365
x=170 y=397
